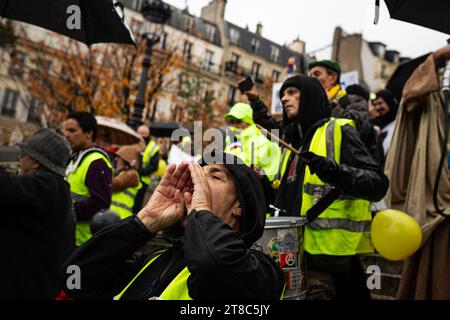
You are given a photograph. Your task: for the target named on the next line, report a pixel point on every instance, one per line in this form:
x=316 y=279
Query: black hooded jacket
x=362 y=175
x=390 y=116
x=220 y=261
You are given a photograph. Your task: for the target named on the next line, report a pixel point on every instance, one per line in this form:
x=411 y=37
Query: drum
x=283 y=241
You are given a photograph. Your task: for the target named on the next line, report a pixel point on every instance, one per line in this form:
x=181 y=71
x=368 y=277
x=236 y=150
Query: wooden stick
x=278 y=140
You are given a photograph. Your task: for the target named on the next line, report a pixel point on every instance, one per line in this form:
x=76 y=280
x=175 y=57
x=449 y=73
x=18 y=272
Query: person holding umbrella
x=89 y=172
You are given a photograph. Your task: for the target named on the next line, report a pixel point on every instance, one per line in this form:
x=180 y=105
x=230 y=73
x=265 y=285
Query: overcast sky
x=314 y=22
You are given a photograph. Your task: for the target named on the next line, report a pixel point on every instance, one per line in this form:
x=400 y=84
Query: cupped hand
x=166 y=206
x=199 y=197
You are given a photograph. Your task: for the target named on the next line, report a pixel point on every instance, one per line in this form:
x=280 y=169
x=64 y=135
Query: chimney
x=214 y=11
x=297 y=46
x=259 y=28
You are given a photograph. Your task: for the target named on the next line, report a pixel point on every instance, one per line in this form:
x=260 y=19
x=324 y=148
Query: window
x=136 y=26
x=275 y=75
x=163 y=41
x=132 y=4
x=189 y=24
x=235 y=58
x=210 y=32
x=384 y=74
x=42 y=68
x=234 y=36
x=231 y=95
x=255 y=45
x=208 y=60
x=255 y=70
x=9 y=103
x=187 y=51
x=32 y=111
x=274 y=53
x=17 y=65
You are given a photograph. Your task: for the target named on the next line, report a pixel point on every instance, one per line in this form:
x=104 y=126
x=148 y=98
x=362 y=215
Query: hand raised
x=198 y=198
x=166 y=206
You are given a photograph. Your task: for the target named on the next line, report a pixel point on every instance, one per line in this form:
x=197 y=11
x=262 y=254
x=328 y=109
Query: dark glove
x=324 y=168
x=329 y=171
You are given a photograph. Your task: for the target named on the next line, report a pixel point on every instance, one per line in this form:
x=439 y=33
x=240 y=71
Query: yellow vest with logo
x=151 y=149
x=344 y=227
x=76 y=176
x=122 y=202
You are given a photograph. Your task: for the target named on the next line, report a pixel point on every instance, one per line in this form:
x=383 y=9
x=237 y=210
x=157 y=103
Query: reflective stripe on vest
x=76 y=176
x=122 y=202
x=283 y=164
x=151 y=149
x=343 y=228
x=176 y=290
x=77 y=197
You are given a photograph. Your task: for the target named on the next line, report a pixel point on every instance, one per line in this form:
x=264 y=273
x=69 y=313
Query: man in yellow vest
x=148 y=165
x=126 y=181
x=89 y=172
x=252 y=146
x=220 y=205
x=328 y=72
x=333 y=156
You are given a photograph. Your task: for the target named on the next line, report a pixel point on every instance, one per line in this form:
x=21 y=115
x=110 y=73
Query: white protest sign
x=349 y=78
x=277 y=107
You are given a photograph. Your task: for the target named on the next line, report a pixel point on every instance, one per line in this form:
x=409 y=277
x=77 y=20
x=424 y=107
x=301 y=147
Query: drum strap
x=323 y=204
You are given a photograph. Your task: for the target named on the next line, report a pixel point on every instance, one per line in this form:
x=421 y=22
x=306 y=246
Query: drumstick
x=278 y=140
x=252 y=156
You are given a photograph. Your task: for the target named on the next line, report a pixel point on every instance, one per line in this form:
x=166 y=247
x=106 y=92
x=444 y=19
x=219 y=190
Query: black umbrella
x=433 y=14
x=403 y=72
x=88 y=21
x=163 y=128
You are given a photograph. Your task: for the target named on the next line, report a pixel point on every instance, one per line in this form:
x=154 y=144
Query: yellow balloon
x=395 y=235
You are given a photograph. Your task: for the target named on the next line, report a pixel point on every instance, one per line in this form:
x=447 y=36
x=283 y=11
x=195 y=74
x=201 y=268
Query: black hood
x=249 y=192
x=392 y=103
x=314 y=106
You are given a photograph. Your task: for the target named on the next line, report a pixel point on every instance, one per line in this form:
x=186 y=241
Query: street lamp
x=157 y=13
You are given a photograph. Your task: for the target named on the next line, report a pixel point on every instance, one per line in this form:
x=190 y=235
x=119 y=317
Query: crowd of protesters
x=338 y=140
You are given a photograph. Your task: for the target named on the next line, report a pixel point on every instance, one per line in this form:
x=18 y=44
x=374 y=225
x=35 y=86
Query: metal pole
x=139 y=103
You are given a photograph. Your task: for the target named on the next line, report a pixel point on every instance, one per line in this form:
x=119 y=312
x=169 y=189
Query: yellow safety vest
x=344 y=227
x=285 y=155
x=176 y=290
x=162 y=167
x=122 y=202
x=151 y=149
x=256 y=149
x=76 y=176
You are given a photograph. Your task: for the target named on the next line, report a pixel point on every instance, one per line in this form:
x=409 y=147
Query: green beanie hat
x=329 y=64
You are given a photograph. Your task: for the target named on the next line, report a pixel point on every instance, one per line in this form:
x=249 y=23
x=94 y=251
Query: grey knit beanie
x=50 y=149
